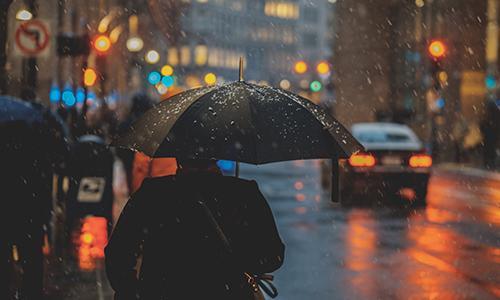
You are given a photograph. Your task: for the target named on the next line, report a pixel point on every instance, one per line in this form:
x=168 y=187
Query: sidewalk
x=467 y=171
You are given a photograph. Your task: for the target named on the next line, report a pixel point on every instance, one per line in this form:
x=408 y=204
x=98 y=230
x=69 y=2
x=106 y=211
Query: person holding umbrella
x=200 y=234
x=183 y=256
x=30 y=149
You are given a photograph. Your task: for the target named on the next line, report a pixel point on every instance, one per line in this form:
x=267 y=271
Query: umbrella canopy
x=242 y=122
x=12 y=110
x=24 y=123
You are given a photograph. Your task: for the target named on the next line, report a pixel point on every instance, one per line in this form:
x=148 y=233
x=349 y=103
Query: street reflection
x=361 y=240
x=361 y=243
x=91 y=242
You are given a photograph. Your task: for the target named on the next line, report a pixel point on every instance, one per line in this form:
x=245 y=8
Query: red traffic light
x=101 y=44
x=437 y=49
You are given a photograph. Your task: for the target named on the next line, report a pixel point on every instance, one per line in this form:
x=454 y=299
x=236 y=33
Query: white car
x=394 y=167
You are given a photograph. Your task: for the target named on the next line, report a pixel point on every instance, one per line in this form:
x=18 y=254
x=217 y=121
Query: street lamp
x=135 y=44
x=152 y=57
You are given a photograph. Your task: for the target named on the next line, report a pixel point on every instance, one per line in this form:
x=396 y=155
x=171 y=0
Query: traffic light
x=101 y=44
x=300 y=67
x=437 y=49
x=89 y=77
x=315 y=86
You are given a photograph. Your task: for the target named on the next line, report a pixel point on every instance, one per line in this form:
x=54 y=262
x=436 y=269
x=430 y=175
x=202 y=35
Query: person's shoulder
x=159 y=182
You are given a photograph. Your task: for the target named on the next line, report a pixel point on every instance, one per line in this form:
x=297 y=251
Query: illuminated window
x=173 y=57
x=185 y=55
x=200 y=55
x=283 y=10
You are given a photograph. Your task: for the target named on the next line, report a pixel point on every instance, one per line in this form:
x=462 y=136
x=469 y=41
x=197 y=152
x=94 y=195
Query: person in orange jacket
x=146 y=167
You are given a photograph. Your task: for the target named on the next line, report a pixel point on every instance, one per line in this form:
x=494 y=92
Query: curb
x=468 y=171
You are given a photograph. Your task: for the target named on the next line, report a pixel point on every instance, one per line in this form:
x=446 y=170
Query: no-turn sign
x=32 y=38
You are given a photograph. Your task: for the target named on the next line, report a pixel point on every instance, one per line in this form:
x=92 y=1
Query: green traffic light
x=315 y=86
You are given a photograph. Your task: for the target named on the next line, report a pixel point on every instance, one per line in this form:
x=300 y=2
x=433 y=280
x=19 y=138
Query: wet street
x=447 y=250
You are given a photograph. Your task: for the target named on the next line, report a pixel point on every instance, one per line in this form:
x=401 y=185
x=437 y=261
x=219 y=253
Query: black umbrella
x=21 y=121
x=15 y=110
x=242 y=122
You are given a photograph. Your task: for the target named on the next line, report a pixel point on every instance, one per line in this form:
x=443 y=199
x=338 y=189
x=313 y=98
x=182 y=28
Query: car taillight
x=420 y=161
x=362 y=160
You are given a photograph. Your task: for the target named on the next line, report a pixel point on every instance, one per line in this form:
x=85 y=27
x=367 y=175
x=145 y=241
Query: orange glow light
x=420 y=161
x=437 y=49
x=89 y=77
x=87 y=238
x=323 y=68
x=300 y=67
x=102 y=44
x=362 y=160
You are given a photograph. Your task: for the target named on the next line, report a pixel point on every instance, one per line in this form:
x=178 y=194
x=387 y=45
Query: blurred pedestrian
x=490 y=129
x=166 y=224
x=25 y=179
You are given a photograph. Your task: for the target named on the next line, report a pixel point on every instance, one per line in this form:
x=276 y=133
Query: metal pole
x=335 y=180
x=492 y=45
x=29 y=65
x=237 y=170
x=4 y=8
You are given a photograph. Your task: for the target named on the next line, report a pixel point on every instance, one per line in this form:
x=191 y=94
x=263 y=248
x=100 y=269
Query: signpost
x=32 y=38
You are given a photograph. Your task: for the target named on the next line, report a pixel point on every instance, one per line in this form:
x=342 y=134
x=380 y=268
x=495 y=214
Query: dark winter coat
x=182 y=256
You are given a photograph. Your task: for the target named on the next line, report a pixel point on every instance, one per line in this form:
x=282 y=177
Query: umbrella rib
x=329 y=128
x=210 y=90
x=253 y=121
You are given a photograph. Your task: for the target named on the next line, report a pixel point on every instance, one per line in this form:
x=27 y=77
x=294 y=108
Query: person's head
x=141 y=102
x=197 y=165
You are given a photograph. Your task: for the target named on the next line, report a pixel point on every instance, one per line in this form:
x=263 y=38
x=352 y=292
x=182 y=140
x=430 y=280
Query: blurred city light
x=67 y=96
x=167 y=81
x=443 y=77
x=24 y=15
x=154 y=77
x=285 y=84
x=226 y=165
x=152 y=57
x=210 y=78
x=300 y=67
x=315 y=86
x=101 y=44
x=114 y=35
x=437 y=49
x=490 y=82
x=80 y=95
x=440 y=103
x=54 y=94
x=167 y=70
x=89 y=77
x=161 y=88
x=323 y=68
x=135 y=44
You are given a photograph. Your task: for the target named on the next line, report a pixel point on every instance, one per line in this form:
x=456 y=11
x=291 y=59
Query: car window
x=381 y=137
